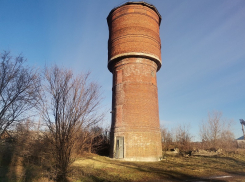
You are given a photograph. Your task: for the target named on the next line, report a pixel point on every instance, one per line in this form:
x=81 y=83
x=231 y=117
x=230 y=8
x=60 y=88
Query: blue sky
x=203 y=51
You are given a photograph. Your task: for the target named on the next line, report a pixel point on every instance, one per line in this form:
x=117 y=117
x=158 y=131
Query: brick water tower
x=134 y=57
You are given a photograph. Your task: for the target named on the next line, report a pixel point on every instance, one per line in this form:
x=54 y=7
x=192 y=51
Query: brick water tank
x=134 y=57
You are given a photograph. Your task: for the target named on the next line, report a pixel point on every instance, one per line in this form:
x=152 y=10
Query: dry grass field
x=91 y=167
x=196 y=168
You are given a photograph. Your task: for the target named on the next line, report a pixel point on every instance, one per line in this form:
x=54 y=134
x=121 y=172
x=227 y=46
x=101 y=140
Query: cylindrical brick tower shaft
x=134 y=57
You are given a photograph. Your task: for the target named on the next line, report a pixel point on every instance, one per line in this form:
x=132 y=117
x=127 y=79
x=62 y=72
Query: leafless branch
x=69 y=104
x=19 y=90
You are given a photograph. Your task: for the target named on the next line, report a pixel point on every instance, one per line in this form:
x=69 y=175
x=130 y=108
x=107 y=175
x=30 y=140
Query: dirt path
x=229 y=178
x=221 y=178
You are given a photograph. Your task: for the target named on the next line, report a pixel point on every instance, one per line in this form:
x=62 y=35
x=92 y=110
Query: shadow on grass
x=167 y=173
x=11 y=167
x=225 y=164
x=169 y=176
x=6 y=154
x=175 y=169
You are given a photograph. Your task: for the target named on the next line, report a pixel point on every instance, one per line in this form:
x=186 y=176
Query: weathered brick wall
x=134 y=58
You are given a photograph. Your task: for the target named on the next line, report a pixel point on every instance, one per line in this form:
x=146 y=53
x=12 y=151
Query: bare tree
x=179 y=137
x=216 y=132
x=183 y=137
x=182 y=134
x=70 y=103
x=167 y=138
x=19 y=90
x=93 y=140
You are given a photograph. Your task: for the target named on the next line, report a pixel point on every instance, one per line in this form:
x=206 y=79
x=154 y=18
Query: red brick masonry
x=134 y=57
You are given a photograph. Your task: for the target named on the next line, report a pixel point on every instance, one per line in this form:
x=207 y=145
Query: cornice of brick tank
x=138 y=2
x=134 y=54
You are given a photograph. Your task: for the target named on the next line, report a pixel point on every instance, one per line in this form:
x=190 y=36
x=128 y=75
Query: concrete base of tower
x=140 y=159
x=144 y=159
x=136 y=146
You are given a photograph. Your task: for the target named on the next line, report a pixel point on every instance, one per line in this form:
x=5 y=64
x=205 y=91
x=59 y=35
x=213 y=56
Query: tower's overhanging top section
x=141 y=3
x=134 y=32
